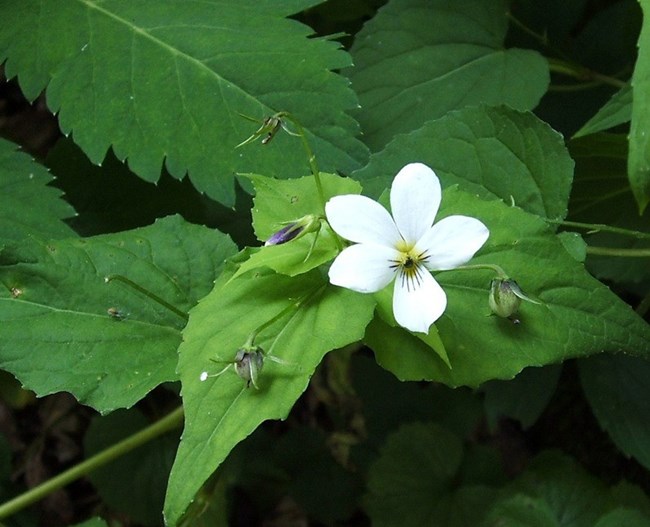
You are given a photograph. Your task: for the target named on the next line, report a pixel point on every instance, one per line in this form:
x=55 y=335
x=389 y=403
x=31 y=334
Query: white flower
x=404 y=247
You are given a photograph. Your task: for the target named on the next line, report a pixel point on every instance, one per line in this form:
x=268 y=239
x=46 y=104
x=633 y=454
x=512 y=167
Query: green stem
x=492 y=267
x=169 y=422
x=597 y=227
x=623 y=253
x=314 y=169
x=582 y=73
x=566 y=66
x=313 y=166
x=148 y=293
x=250 y=341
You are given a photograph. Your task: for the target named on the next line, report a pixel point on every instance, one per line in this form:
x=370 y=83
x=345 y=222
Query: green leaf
x=601 y=195
x=416 y=60
x=617 y=390
x=617 y=110
x=638 y=166
x=314 y=319
x=521 y=510
x=278 y=203
x=146 y=469
x=385 y=311
x=574 y=244
x=488 y=151
x=108 y=344
x=554 y=491
x=170 y=82
x=523 y=398
x=27 y=205
x=626 y=517
x=412 y=483
x=578 y=316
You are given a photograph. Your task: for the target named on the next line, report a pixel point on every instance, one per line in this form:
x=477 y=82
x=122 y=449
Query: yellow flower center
x=409 y=266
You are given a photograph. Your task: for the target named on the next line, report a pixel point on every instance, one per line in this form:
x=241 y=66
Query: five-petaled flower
x=404 y=247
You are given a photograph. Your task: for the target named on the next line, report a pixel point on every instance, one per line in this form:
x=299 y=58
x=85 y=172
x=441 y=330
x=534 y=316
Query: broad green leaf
x=578 y=316
x=385 y=311
x=27 y=205
x=64 y=328
x=146 y=469
x=601 y=195
x=416 y=60
x=523 y=398
x=413 y=482
x=488 y=151
x=574 y=244
x=554 y=491
x=618 y=110
x=638 y=166
x=621 y=516
x=521 y=510
x=169 y=82
x=295 y=257
x=276 y=204
x=631 y=497
x=314 y=318
x=617 y=390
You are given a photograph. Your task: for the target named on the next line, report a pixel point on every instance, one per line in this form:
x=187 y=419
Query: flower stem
x=493 y=267
x=148 y=293
x=310 y=155
x=566 y=66
x=623 y=253
x=597 y=227
x=169 y=422
x=582 y=73
x=250 y=341
x=315 y=172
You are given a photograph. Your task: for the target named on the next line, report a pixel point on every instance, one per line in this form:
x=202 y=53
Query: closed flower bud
x=295 y=229
x=249 y=363
x=505 y=298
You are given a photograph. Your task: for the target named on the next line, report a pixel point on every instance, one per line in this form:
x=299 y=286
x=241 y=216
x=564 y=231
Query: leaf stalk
x=170 y=422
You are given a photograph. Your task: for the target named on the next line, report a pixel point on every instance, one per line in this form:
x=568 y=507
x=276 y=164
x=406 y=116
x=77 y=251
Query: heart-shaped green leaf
x=169 y=82
x=418 y=59
x=64 y=328
x=299 y=319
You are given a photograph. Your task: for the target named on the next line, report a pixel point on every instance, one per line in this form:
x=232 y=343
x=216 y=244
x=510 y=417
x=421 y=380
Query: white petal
x=452 y=242
x=361 y=220
x=414 y=200
x=416 y=309
x=363 y=268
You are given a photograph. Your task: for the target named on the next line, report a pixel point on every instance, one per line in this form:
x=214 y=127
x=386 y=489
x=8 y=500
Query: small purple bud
x=284 y=235
x=295 y=229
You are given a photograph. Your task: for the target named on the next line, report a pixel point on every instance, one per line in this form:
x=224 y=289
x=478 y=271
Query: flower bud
x=294 y=229
x=505 y=298
x=249 y=363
